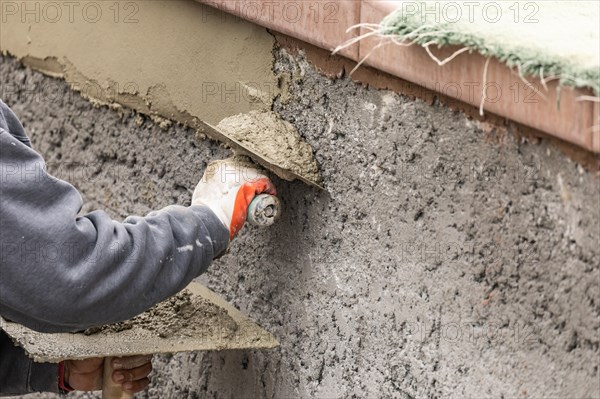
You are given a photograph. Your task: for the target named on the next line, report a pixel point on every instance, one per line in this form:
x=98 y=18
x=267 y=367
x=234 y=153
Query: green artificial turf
x=546 y=39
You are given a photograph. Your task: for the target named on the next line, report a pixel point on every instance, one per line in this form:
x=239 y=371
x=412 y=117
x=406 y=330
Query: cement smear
x=276 y=140
x=182 y=315
x=159 y=57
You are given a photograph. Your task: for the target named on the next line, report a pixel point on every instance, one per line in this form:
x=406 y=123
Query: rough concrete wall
x=441 y=261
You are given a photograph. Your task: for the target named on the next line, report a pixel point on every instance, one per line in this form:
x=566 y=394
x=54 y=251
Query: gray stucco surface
x=440 y=261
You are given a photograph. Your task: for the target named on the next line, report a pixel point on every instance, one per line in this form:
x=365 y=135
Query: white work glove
x=227 y=188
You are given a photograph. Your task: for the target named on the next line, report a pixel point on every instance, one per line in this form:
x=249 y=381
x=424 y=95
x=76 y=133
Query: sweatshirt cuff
x=43 y=377
x=219 y=234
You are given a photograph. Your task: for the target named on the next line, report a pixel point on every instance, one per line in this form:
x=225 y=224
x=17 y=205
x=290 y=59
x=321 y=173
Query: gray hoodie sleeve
x=63 y=272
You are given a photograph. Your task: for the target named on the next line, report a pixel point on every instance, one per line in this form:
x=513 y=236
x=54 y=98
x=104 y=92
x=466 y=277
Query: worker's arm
x=19 y=375
x=64 y=272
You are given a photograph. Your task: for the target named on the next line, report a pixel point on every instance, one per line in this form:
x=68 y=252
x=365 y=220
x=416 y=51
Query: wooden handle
x=110 y=389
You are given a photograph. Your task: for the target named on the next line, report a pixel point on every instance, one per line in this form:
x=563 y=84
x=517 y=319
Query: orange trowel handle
x=110 y=389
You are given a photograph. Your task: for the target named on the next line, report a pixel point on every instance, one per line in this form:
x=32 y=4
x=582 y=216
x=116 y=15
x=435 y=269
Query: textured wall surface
x=440 y=261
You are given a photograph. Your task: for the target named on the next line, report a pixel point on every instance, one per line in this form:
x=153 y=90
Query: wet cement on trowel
x=193 y=320
x=275 y=139
x=182 y=315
